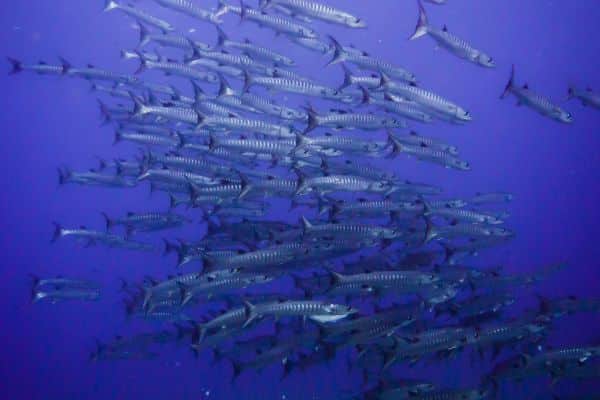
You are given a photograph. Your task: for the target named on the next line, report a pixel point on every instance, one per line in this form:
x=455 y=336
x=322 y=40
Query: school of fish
x=368 y=265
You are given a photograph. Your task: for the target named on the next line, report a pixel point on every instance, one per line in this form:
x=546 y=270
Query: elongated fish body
x=313 y=44
x=413 y=139
x=183 y=70
x=190 y=9
x=222 y=285
x=375 y=207
x=475 y=231
x=343 y=143
x=425 y=98
x=93 y=179
x=318 y=11
x=192 y=164
x=170 y=175
x=535 y=101
x=313 y=309
x=270 y=186
x=246 y=124
x=399 y=106
x=146 y=222
x=235 y=60
x=93 y=73
x=458 y=214
x=587 y=96
x=452 y=394
x=435 y=155
x=252 y=50
x=66 y=294
x=364 y=61
x=179 y=114
x=291 y=85
x=139 y=15
x=165 y=40
x=455 y=45
x=60 y=283
x=215 y=66
x=383 y=279
x=348 y=231
x=148 y=139
x=257 y=104
x=40 y=68
x=348 y=183
x=279 y=24
x=232 y=318
x=352 y=121
x=273 y=147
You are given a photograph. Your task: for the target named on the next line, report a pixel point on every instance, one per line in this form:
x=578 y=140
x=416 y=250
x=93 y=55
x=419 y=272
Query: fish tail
x=339 y=54
x=250 y=312
x=63 y=175
x=510 y=83
x=422 y=23
x=246 y=186
x=16 y=66
x=347 y=77
x=144 y=35
x=366 y=96
x=143 y=64
x=222 y=9
x=247 y=82
x=118 y=137
x=109 y=223
x=570 y=92
x=58 y=230
x=313 y=120
x=66 y=66
x=430 y=232
x=394 y=143
x=139 y=108
x=221 y=37
x=262 y=4
x=243 y=10
x=110 y=5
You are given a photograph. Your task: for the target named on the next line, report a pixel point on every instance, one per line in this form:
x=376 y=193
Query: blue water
x=551 y=168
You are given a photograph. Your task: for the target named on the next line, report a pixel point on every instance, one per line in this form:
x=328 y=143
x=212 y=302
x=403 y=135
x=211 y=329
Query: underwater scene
x=300 y=200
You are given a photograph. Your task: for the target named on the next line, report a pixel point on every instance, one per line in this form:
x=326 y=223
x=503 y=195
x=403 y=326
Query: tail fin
x=510 y=84
x=366 y=97
x=139 y=108
x=422 y=23
x=110 y=5
x=221 y=37
x=246 y=186
x=250 y=312
x=108 y=222
x=430 y=232
x=395 y=143
x=222 y=9
x=347 y=77
x=339 y=54
x=570 y=92
x=313 y=120
x=247 y=82
x=58 y=229
x=63 y=175
x=144 y=35
x=66 y=66
x=16 y=65
x=143 y=65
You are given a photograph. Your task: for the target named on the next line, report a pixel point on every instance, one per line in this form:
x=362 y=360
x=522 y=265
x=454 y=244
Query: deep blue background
x=552 y=170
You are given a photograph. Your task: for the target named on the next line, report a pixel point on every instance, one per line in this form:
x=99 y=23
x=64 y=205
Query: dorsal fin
x=445 y=28
x=90 y=66
x=525 y=86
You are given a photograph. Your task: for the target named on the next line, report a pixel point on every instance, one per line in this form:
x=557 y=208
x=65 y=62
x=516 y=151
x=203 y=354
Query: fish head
x=338 y=309
x=485 y=60
x=500 y=232
x=463 y=115
x=355 y=22
x=461 y=164
x=564 y=116
x=308 y=32
x=392 y=122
